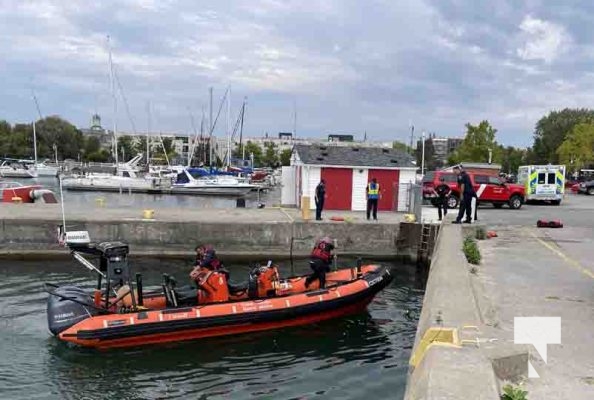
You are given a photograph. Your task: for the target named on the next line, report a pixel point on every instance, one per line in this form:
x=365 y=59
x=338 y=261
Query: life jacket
x=373 y=190
x=321 y=251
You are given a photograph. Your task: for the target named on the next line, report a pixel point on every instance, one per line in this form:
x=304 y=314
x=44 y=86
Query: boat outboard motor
x=67 y=306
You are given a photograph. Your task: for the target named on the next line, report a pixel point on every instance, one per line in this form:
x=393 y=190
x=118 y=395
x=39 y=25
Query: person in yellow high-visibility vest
x=373 y=193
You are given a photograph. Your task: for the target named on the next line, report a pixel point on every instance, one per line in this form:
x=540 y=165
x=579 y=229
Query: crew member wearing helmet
x=320 y=260
x=206 y=257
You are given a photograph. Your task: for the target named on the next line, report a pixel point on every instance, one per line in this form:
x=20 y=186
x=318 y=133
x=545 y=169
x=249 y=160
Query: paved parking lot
x=574 y=211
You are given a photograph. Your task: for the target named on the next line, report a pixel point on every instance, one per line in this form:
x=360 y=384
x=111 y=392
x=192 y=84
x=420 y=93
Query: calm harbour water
x=356 y=357
x=136 y=200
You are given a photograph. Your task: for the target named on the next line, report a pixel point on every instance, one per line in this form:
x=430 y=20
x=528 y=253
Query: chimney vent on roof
x=394 y=161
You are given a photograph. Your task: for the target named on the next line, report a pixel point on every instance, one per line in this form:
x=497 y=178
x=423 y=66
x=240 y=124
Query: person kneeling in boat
x=320 y=260
x=206 y=258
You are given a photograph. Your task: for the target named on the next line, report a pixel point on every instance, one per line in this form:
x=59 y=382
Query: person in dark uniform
x=443 y=192
x=319 y=199
x=467 y=192
x=373 y=190
x=320 y=261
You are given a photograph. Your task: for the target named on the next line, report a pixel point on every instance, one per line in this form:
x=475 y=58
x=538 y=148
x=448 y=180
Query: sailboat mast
x=35 y=143
x=210 y=128
x=241 y=130
x=228 y=132
x=115 y=103
x=35 y=128
x=148 y=131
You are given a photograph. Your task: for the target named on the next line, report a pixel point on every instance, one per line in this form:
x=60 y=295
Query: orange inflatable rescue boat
x=119 y=313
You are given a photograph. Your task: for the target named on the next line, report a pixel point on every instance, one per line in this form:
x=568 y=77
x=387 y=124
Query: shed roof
x=354 y=156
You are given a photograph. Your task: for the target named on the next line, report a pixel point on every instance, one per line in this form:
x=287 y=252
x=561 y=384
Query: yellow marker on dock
x=17 y=199
x=148 y=214
x=100 y=201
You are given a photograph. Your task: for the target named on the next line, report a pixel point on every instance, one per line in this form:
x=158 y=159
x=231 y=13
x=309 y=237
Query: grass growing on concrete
x=471 y=251
x=513 y=393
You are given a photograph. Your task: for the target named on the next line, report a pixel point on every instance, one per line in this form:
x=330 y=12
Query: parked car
x=489 y=189
x=586 y=188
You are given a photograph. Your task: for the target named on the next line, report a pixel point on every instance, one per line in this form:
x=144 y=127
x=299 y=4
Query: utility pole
x=294 y=118
x=412 y=132
x=423 y=155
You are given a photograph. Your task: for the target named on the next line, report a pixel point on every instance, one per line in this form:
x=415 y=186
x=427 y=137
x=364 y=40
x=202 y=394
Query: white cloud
x=543 y=40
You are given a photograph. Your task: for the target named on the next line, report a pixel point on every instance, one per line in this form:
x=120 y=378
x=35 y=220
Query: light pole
x=423 y=155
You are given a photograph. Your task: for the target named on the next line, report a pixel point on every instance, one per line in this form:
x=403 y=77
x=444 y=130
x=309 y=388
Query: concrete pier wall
x=241 y=233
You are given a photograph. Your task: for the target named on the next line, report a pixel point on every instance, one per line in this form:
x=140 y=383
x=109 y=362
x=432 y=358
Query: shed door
x=388 y=180
x=339 y=188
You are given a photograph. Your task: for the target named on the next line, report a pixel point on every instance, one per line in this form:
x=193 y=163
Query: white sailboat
x=16 y=169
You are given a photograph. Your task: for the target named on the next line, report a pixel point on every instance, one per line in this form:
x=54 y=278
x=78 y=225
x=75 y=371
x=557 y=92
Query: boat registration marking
x=320 y=297
x=197 y=313
x=160 y=317
x=131 y=320
x=234 y=310
x=105 y=323
x=288 y=303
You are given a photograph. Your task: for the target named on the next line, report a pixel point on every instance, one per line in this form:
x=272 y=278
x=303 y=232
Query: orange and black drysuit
x=320 y=260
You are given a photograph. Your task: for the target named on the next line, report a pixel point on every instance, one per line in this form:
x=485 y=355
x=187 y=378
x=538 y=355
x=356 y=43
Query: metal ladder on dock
x=426 y=243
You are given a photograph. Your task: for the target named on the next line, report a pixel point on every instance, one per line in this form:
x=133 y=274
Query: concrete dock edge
x=444 y=364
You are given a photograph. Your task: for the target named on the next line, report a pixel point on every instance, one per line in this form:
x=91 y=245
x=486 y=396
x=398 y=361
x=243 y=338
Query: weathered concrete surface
x=449 y=303
x=525 y=272
x=32 y=229
x=532 y=272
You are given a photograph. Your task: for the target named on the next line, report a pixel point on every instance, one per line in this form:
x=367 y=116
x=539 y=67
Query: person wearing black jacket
x=443 y=192
x=319 y=199
x=467 y=191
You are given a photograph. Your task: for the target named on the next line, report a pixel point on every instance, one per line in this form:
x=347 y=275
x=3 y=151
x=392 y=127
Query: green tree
x=478 y=141
x=552 y=129
x=5 y=134
x=270 y=158
x=512 y=158
x=577 y=150
x=285 y=157
x=125 y=148
x=20 y=143
x=254 y=149
x=56 y=131
x=166 y=147
x=397 y=145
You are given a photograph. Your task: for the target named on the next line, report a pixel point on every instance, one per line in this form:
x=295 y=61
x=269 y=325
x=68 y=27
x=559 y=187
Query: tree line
x=560 y=137
x=58 y=137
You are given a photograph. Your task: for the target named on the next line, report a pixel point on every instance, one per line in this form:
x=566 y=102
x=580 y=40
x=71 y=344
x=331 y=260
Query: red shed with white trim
x=347 y=170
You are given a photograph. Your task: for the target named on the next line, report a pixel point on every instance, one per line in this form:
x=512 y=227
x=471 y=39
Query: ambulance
x=543 y=182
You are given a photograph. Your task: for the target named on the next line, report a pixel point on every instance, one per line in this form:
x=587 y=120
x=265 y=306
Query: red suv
x=489 y=189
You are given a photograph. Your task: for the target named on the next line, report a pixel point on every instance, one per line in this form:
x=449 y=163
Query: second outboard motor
x=67 y=307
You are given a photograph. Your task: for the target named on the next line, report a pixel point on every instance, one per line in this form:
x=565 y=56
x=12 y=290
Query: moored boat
x=120 y=314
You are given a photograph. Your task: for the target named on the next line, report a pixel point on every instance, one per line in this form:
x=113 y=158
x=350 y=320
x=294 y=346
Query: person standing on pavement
x=319 y=199
x=443 y=192
x=373 y=190
x=467 y=193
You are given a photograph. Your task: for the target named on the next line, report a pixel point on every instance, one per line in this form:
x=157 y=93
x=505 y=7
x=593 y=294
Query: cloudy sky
x=348 y=66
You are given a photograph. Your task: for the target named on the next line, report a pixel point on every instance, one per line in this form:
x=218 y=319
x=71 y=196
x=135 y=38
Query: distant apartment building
x=442 y=148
